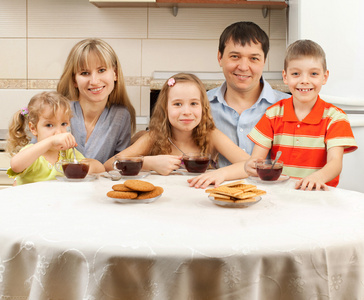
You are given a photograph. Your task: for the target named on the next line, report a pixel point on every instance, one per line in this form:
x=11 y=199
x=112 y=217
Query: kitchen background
x=36 y=36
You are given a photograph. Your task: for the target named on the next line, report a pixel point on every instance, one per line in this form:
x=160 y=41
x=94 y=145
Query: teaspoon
x=176 y=146
x=279 y=153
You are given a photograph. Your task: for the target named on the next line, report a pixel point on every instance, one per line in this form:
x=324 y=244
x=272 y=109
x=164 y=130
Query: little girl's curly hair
x=161 y=129
x=18 y=135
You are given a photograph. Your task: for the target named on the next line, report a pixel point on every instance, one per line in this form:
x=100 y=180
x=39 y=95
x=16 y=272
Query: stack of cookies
x=236 y=192
x=135 y=189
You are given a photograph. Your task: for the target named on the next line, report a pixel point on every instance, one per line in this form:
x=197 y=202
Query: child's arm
x=233 y=153
x=332 y=169
x=216 y=177
x=227 y=147
x=140 y=147
x=162 y=164
x=28 y=156
x=258 y=153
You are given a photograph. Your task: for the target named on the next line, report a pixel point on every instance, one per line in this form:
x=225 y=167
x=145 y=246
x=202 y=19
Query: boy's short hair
x=305 y=48
x=244 y=33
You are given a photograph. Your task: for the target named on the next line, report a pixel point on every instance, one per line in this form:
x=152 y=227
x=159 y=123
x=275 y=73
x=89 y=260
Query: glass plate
x=235 y=204
x=135 y=201
x=281 y=178
x=185 y=172
x=115 y=175
x=87 y=178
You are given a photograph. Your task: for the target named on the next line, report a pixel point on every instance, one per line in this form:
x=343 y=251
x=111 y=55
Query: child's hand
x=162 y=164
x=204 y=180
x=311 y=182
x=63 y=141
x=250 y=168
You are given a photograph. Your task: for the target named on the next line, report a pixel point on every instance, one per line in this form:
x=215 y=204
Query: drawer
x=5 y=181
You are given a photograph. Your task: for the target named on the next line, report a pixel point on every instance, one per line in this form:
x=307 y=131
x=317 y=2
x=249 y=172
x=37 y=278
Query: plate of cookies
x=135 y=191
x=236 y=194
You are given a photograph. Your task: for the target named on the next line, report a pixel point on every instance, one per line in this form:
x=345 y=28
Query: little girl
x=47 y=118
x=182 y=114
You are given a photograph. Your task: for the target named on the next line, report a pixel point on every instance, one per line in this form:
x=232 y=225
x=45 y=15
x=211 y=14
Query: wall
x=36 y=36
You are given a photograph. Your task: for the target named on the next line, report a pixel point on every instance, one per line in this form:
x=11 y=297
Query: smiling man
x=239 y=103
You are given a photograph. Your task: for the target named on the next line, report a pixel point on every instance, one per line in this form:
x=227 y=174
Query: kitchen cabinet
x=5 y=181
x=192 y=3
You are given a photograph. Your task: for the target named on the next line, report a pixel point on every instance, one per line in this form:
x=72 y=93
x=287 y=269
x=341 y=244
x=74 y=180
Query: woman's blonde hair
x=78 y=60
x=18 y=135
x=161 y=129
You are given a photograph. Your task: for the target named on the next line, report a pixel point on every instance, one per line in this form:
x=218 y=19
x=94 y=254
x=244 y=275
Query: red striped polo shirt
x=304 y=144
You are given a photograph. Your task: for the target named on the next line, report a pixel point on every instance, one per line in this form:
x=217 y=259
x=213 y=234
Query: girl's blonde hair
x=78 y=60
x=160 y=127
x=18 y=135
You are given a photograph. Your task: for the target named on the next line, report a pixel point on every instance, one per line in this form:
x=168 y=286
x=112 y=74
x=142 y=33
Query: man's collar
x=267 y=92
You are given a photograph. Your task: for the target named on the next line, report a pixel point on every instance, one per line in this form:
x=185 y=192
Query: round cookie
x=122 y=195
x=121 y=188
x=154 y=193
x=139 y=185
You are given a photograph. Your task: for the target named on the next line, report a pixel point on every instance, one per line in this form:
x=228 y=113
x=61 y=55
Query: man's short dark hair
x=244 y=33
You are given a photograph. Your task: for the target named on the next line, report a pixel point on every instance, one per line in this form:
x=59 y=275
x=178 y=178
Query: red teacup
x=196 y=162
x=267 y=172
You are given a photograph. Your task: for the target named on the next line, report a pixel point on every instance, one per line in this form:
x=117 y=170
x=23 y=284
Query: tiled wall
x=36 y=36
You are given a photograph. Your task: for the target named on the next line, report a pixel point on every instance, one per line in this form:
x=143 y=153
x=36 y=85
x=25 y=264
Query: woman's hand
x=162 y=164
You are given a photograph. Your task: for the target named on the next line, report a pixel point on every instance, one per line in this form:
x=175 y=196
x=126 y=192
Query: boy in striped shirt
x=312 y=134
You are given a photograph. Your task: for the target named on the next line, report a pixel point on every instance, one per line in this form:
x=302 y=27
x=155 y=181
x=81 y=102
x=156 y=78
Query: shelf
x=192 y=3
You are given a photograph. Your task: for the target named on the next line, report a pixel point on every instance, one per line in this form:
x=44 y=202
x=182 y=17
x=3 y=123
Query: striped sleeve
x=339 y=132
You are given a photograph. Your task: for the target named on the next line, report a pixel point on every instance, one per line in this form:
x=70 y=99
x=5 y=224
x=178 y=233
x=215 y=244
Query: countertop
x=156 y=84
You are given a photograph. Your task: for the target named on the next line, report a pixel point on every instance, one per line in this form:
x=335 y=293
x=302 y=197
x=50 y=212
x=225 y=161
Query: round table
x=68 y=240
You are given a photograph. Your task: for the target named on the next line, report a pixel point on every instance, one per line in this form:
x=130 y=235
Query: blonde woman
x=103 y=116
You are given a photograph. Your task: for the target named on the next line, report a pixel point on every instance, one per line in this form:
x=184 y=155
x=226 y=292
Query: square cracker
x=245 y=195
x=246 y=200
x=219 y=196
x=224 y=190
x=233 y=184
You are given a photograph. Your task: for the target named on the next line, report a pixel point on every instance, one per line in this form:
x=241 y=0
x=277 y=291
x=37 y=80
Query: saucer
x=136 y=201
x=142 y=174
x=115 y=175
x=235 y=204
x=87 y=178
x=281 y=179
x=185 y=172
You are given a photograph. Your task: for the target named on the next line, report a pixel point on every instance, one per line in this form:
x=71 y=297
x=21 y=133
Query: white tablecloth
x=62 y=240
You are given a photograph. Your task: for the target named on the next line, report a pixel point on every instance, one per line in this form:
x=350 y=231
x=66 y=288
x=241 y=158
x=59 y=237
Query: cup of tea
x=73 y=169
x=266 y=171
x=128 y=165
x=196 y=162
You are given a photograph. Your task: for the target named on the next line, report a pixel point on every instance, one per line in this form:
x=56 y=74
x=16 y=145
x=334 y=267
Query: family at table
x=242 y=121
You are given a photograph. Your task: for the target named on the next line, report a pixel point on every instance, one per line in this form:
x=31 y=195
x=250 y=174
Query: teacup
x=73 y=169
x=128 y=165
x=196 y=162
x=266 y=171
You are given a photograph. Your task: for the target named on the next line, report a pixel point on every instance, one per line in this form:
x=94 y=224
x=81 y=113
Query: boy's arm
x=332 y=169
x=258 y=153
